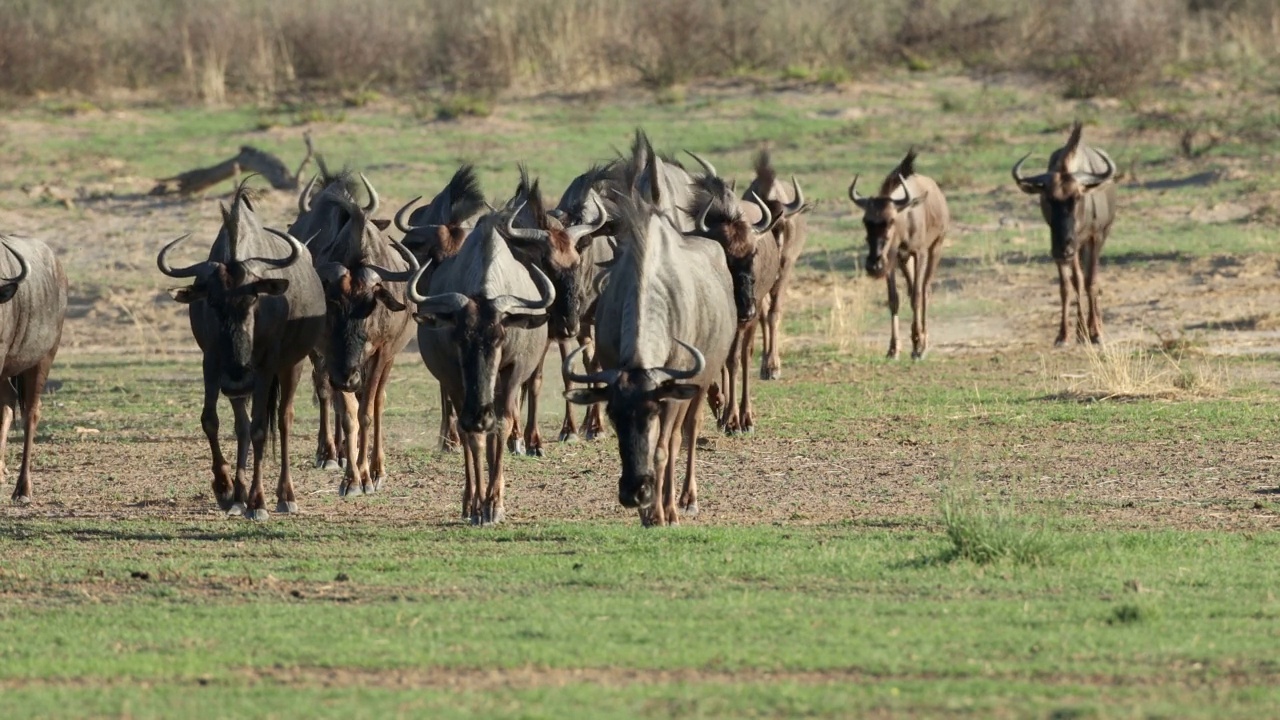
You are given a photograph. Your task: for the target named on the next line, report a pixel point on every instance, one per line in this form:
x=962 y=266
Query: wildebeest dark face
x=742 y=270
x=351 y=300
x=1061 y=203
x=633 y=403
x=477 y=331
x=231 y=295
x=879 y=218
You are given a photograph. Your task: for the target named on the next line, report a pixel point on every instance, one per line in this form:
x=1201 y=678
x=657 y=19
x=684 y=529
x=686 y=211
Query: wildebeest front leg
x=892 y=282
x=285 y=500
x=1077 y=284
x=31 y=384
x=931 y=267
x=240 y=410
x=692 y=424
x=1064 y=296
x=747 y=345
x=473 y=457
x=366 y=399
x=771 y=359
x=256 y=508
x=491 y=513
x=916 y=282
x=732 y=423
x=351 y=485
x=326 y=445
x=1091 y=287
x=568 y=428
x=223 y=492
x=449 y=440
x=378 y=459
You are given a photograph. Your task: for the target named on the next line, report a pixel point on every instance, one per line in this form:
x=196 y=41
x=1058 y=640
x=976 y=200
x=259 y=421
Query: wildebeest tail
x=905 y=169
x=16 y=384
x=273 y=404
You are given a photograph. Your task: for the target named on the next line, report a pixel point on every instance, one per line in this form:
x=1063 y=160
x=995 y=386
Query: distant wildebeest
x=555 y=250
x=906 y=231
x=322 y=213
x=790 y=232
x=33 y=304
x=483 y=331
x=434 y=233
x=753 y=256
x=363 y=274
x=669 y=299
x=255 y=316
x=1078 y=201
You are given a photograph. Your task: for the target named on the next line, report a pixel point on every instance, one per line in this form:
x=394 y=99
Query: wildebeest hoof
x=257 y=515
x=770 y=373
x=286 y=506
x=568 y=437
x=917 y=354
x=377 y=482
x=329 y=464
x=225 y=502
x=348 y=491
x=1060 y=342
x=236 y=510
x=21 y=500
x=690 y=509
x=534 y=451
x=892 y=354
x=1095 y=339
x=516 y=447
x=475 y=519
x=492 y=516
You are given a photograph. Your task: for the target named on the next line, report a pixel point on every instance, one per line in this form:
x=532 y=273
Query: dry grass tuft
x=1126 y=371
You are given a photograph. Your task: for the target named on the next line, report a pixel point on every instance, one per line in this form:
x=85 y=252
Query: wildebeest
x=554 y=249
x=321 y=214
x=33 y=304
x=482 y=334
x=255 y=316
x=1078 y=201
x=364 y=281
x=753 y=257
x=670 y=301
x=434 y=233
x=906 y=231
x=790 y=232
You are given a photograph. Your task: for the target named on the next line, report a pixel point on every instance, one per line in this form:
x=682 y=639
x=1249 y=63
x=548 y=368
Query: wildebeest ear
x=187 y=295
x=7 y=292
x=269 y=286
x=675 y=391
x=433 y=321
x=916 y=200
x=527 y=322
x=384 y=296
x=587 y=396
x=381 y=223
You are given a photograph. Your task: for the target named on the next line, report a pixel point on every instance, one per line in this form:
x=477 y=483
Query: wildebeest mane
x=766 y=176
x=1069 y=150
x=905 y=169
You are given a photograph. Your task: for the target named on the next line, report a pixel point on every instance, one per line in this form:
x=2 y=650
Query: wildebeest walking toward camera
x=483 y=331
x=670 y=300
x=363 y=274
x=905 y=231
x=33 y=304
x=1078 y=201
x=790 y=231
x=256 y=316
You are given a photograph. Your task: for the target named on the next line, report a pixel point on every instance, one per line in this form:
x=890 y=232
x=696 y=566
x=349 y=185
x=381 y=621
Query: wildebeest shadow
x=1198 y=180
x=1267 y=491
x=849 y=260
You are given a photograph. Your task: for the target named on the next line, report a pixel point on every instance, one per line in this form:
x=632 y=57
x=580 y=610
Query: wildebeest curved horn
x=304 y=200
x=296 y=250
x=23 y=268
x=797 y=204
x=907 y=197
x=162 y=262
x=372 y=207
x=854 y=196
x=577 y=232
x=398 y=275
x=1028 y=184
x=511 y=232
x=707 y=167
x=512 y=305
x=442 y=304
x=604 y=376
x=402 y=212
x=1092 y=180
x=699 y=362
x=702 y=220
x=766 y=217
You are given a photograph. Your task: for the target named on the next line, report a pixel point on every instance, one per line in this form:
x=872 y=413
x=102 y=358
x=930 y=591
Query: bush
x=984 y=533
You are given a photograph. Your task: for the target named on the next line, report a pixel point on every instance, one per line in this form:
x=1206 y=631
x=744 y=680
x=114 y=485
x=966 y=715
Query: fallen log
x=250 y=159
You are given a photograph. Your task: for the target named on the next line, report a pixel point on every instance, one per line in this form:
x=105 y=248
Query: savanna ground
x=1001 y=530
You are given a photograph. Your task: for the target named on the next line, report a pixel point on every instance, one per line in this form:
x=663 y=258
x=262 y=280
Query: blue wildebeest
x=753 y=256
x=33 y=304
x=1078 y=202
x=790 y=232
x=255 y=316
x=364 y=281
x=670 y=301
x=482 y=332
x=906 y=232
x=434 y=233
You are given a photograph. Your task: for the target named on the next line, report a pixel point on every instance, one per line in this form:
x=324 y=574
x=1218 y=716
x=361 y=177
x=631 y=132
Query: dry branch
x=250 y=159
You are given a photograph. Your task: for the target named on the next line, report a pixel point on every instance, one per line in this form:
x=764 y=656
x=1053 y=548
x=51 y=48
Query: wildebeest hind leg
x=8 y=404
x=240 y=409
x=223 y=490
x=30 y=386
x=692 y=423
x=264 y=398
x=568 y=428
x=893 y=309
x=1077 y=284
x=1091 y=288
x=1063 y=296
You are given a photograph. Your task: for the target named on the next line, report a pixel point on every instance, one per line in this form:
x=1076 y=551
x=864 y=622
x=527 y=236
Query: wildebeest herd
x=661 y=276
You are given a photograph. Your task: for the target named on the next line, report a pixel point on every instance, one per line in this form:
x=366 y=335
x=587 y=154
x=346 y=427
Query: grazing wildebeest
x=1078 y=201
x=554 y=249
x=482 y=335
x=790 y=232
x=905 y=231
x=580 y=204
x=364 y=281
x=670 y=301
x=753 y=257
x=434 y=233
x=321 y=214
x=255 y=317
x=33 y=304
